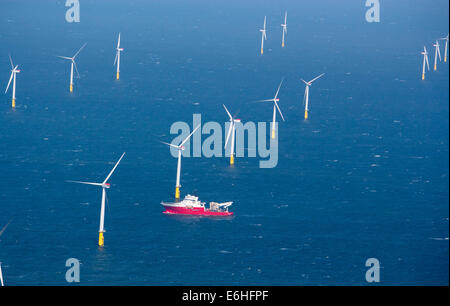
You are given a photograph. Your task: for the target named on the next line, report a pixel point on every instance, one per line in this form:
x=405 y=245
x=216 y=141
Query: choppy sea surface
x=366 y=176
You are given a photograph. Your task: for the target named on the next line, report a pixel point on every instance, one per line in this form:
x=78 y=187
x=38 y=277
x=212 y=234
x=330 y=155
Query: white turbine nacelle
x=264 y=34
x=307 y=83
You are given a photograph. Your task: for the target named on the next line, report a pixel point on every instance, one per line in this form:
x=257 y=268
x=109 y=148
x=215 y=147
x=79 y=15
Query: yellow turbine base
x=273 y=134
x=13 y=104
x=262 y=51
x=423 y=76
x=232 y=160
x=445 y=59
x=71 y=88
x=435 y=68
x=117 y=76
x=177 y=192
x=101 y=239
x=306 y=115
x=282 y=44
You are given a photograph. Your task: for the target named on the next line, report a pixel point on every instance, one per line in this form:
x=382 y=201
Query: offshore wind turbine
x=14 y=71
x=284 y=26
x=72 y=59
x=275 y=108
x=436 y=53
x=180 y=148
x=263 y=35
x=104 y=185
x=231 y=132
x=446 y=48
x=1 y=275
x=306 y=97
x=425 y=61
x=117 y=59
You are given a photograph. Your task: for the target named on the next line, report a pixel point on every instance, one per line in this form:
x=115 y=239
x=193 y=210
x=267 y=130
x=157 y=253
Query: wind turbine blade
x=278 y=90
x=184 y=141
x=115 y=59
x=86 y=183
x=64 y=57
x=10 y=60
x=426 y=59
x=109 y=175
x=279 y=110
x=229 y=133
x=169 y=144
x=79 y=50
x=76 y=69
x=439 y=52
x=118 y=42
x=304 y=82
x=268 y=100
x=4 y=228
x=316 y=78
x=229 y=115
x=12 y=73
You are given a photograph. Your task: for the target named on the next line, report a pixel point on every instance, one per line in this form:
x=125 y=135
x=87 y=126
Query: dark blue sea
x=366 y=176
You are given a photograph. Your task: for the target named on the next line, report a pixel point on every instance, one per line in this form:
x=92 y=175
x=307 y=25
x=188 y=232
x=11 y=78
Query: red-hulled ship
x=192 y=206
